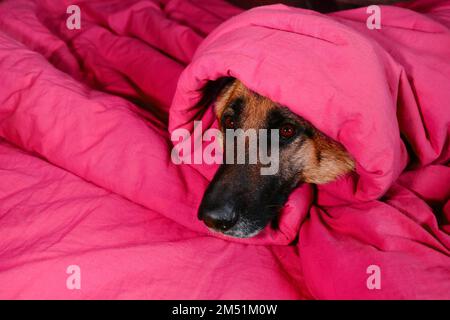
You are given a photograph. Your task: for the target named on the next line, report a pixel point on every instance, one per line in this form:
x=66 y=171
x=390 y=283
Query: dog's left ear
x=211 y=91
x=326 y=160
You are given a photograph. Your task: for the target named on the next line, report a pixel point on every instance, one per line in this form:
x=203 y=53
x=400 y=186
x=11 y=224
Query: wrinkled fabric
x=86 y=176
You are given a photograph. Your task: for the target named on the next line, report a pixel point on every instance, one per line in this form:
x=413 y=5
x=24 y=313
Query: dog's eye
x=228 y=122
x=288 y=130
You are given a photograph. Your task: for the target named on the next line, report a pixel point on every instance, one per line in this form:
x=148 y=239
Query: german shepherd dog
x=240 y=202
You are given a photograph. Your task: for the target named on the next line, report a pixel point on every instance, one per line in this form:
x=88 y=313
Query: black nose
x=220 y=219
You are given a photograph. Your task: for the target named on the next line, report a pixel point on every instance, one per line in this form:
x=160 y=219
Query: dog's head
x=240 y=201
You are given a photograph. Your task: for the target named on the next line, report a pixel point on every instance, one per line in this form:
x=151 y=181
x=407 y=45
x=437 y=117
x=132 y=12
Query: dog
x=239 y=201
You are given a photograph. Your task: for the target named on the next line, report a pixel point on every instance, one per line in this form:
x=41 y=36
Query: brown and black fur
x=240 y=201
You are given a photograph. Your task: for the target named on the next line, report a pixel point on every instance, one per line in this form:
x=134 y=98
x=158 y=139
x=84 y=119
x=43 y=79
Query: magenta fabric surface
x=86 y=176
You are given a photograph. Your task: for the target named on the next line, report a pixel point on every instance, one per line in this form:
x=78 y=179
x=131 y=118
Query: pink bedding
x=86 y=177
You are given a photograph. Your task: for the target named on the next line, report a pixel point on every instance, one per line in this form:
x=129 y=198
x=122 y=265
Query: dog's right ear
x=212 y=90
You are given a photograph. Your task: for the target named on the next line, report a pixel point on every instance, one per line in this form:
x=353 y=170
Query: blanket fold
x=86 y=176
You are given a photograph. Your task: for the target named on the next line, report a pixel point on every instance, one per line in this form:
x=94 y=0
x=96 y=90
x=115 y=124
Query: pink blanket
x=86 y=177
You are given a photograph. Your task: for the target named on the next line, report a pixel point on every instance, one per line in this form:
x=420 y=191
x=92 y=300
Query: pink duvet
x=86 y=177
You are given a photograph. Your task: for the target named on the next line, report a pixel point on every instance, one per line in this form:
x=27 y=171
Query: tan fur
x=225 y=98
x=323 y=160
x=256 y=111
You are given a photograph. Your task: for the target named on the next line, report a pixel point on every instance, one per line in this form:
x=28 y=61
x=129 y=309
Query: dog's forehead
x=256 y=112
x=255 y=109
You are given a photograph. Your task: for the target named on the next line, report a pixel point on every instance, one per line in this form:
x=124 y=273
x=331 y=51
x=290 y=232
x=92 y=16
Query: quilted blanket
x=88 y=187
